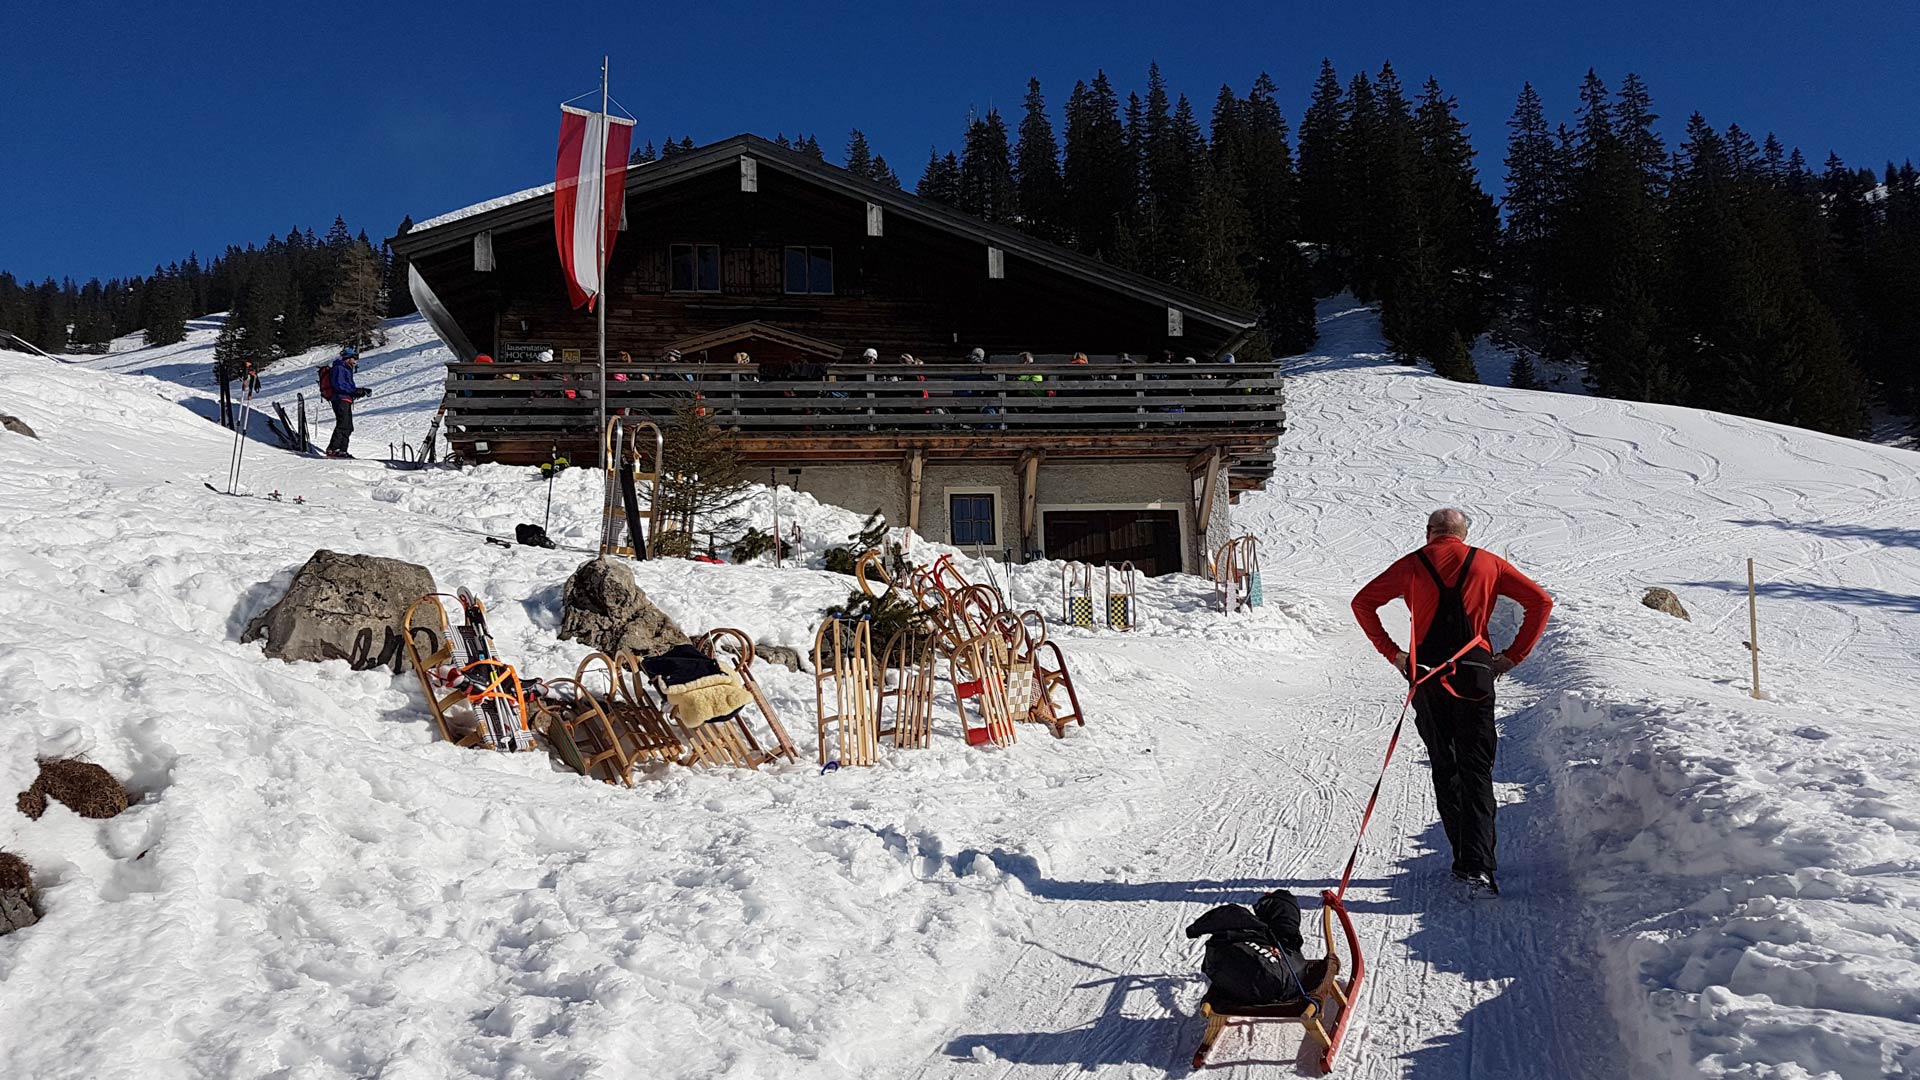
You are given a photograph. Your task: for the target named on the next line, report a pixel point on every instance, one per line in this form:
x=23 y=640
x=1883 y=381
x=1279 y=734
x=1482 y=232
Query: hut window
x=971 y=518
x=696 y=267
x=810 y=270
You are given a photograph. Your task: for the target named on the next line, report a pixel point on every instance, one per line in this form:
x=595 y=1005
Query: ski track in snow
x=311 y=886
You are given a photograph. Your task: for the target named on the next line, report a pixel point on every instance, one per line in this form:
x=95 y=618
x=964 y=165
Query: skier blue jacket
x=344 y=388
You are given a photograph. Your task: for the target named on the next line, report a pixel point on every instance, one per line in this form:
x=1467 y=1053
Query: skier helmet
x=349 y=353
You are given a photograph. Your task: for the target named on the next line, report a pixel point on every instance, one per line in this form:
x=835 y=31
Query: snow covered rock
x=343 y=607
x=1664 y=600
x=16 y=425
x=602 y=607
x=16 y=894
x=786 y=657
x=80 y=786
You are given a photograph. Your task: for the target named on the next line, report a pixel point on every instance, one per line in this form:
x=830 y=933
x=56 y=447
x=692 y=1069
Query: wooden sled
x=717 y=742
x=906 y=706
x=456 y=710
x=1053 y=700
x=581 y=734
x=1322 y=980
x=978 y=668
x=622 y=451
x=843 y=663
x=726 y=639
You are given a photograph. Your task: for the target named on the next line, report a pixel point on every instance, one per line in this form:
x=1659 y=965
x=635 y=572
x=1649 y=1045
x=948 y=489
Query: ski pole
x=553 y=456
x=240 y=433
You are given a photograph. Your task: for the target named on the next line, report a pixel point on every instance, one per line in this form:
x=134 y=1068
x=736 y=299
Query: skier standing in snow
x=1450 y=590
x=342 y=392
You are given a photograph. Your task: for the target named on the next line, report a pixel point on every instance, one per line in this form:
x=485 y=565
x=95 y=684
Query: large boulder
x=1664 y=600
x=344 y=607
x=80 y=786
x=603 y=608
x=17 y=426
x=17 y=911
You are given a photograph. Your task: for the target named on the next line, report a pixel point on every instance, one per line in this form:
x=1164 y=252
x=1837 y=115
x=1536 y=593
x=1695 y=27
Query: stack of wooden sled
x=1002 y=668
x=605 y=720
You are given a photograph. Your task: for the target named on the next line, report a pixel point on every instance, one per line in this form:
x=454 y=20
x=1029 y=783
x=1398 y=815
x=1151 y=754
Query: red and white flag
x=589 y=189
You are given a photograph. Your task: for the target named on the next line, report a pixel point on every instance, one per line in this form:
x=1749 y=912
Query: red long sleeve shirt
x=1491 y=576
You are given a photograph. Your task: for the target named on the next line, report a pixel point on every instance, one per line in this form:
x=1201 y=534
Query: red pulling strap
x=1413 y=684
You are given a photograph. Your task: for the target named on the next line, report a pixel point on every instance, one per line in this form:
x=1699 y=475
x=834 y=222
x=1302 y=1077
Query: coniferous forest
x=285 y=296
x=1722 y=272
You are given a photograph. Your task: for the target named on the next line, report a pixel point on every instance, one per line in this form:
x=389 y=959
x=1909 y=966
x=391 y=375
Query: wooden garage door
x=1150 y=539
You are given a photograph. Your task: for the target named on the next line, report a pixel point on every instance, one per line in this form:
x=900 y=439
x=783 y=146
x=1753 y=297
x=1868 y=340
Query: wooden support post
x=1753 y=628
x=916 y=463
x=1029 y=469
x=1208 y=485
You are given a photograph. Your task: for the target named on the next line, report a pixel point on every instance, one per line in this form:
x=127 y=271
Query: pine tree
x=882 y=173
x=1214 y=241
x=940 y=183
x=399 y=291
x=859 y=156
x=986 y=170
x=1322 y=176
x=1646 y=154
x=1036 y=169
x=1250 y=152
x=354 y=313
x=1455 y=360
x=642 y=155
x=1530 y=206
x=704 y=485
x=164 y=311
x=809 y=146
x=1095 y=172
x=1521 y=374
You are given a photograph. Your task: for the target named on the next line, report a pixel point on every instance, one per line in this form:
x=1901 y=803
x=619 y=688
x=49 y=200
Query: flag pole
x=600 y=251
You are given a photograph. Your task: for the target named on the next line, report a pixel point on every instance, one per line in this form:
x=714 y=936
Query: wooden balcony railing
x=1246 y=400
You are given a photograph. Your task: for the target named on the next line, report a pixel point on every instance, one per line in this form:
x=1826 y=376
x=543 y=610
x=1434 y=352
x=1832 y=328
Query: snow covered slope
x=312 y=886
x=407 y=376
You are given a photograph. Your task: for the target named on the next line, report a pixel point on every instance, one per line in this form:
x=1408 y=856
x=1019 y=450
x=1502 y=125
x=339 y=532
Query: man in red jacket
x=1450 y=589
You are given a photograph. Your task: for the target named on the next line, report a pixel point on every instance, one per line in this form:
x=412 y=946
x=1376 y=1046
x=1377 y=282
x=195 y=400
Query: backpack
x=1461 y=660
x=324 y=374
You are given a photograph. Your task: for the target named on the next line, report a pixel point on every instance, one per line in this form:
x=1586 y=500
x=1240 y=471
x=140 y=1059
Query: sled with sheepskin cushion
x=1320 y=979
x=703 y=711
x=726 y=639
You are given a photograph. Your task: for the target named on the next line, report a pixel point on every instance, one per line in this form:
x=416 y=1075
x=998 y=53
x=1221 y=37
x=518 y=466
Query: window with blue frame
x=971 y=520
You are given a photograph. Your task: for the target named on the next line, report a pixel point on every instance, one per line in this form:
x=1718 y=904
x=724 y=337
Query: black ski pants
x=342 y=426
x=1460 y=743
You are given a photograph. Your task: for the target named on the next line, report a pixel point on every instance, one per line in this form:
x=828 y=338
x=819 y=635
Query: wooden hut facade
x=745 y=246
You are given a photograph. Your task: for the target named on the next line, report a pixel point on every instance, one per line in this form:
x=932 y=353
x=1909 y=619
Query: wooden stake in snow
x=1753 y=629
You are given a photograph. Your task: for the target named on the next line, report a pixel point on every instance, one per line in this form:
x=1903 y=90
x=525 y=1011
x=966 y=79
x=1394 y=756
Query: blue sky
x=133 y=133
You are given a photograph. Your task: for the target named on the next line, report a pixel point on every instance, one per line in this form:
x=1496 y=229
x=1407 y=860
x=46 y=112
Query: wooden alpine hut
x=984 y=387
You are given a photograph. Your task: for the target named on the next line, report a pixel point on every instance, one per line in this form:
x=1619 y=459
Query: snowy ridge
x=312 y=885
